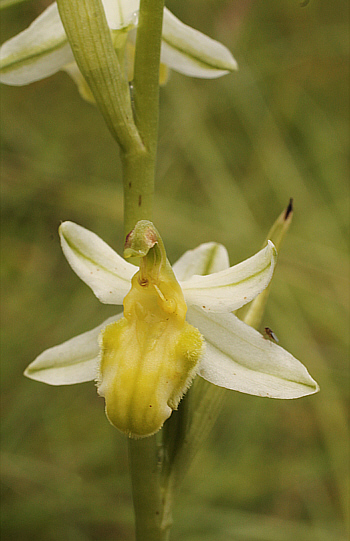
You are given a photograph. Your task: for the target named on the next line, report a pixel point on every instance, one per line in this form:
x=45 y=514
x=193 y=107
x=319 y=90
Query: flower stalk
x=138 y=182
x=152 y=521
x=135 y=127
x=139 y=166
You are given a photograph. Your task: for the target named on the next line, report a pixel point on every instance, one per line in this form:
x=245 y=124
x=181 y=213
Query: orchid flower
x=43 y=49
x=177 y=324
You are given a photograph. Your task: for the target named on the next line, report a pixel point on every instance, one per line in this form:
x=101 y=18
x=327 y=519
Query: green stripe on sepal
x=192 y=53
x=38 y=52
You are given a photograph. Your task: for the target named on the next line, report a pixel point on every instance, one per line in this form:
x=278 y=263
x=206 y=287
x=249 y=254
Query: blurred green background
x=231 y=153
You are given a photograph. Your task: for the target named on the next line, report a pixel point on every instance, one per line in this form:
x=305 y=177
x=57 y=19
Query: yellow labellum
x=150 y=356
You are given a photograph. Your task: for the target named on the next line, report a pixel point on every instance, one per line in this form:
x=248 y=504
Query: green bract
x=235 y=355
x=43 y=49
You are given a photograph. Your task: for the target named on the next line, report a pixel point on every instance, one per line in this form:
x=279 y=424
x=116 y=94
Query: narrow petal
x=37 y=52
x=121 y=13
x=229 y=289
x=74 y=361
x=100 y=267
x=239 y=358
x=192 y=53
x=205 y=259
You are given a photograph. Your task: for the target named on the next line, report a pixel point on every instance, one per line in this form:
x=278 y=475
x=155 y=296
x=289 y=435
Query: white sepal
x=74 y=361
x=192 y=53
x=205 y=259
x=239 y=358
x=100 y=267
x=121 y=13
x=229 y=289
x=38 y=52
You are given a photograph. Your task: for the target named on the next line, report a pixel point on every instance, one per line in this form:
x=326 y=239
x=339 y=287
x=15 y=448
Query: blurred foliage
x=231 y=153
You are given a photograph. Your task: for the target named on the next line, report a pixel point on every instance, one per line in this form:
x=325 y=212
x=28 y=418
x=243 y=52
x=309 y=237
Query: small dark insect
x=270 y=334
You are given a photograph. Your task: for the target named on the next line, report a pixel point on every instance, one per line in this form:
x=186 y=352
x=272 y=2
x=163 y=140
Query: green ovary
x=148 y=358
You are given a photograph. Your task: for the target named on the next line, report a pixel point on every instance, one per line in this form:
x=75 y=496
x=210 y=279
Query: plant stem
x=138 y=182
x=151 y=523
x=151 y=519
x=139 y=165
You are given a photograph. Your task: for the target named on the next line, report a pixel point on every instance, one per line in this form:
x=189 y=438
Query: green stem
x=138 y=182
x=151 y=522
x=146 y=71
x=152 y=519
x=136 y=131
x=139 y=165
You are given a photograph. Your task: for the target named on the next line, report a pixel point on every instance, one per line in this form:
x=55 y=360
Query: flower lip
x=149 y=357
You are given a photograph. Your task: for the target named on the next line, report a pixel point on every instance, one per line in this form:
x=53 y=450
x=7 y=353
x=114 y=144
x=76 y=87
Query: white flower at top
x=177 y=323
x=43 y=49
